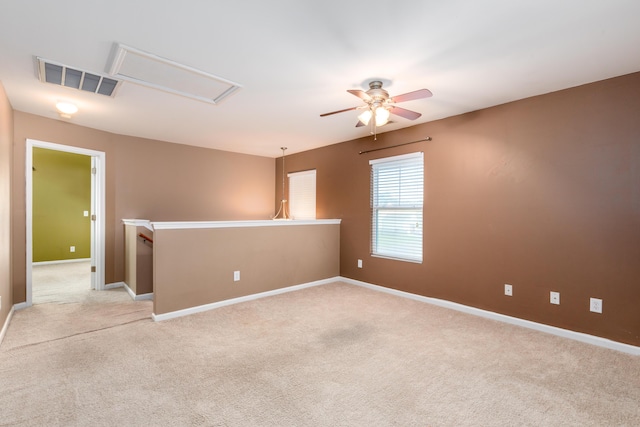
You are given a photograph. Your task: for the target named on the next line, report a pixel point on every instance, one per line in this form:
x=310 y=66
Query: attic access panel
x=164 y=74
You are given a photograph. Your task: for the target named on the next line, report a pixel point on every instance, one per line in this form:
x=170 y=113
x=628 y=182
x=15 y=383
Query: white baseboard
x=129 y=291
x=565 y=333
x=135 y=297
x=6 y=324
x=143 y=297
x=21 y=305
x=61 y=261
x=114 y=285
x=214 y=305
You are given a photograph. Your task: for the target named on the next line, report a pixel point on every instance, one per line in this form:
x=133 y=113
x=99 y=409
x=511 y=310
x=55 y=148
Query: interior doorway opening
x=96 y=213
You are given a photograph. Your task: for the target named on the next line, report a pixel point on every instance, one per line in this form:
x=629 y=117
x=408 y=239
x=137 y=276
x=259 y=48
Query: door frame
x=98 y=161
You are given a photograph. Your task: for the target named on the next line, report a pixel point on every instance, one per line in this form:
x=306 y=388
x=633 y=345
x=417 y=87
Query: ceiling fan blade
x=407 y=114
x=360 y=94
x=339 y=111
x=416 y=94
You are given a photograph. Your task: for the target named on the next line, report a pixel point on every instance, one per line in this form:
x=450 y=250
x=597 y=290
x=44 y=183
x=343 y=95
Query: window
x=397 y=193
x=302 y=194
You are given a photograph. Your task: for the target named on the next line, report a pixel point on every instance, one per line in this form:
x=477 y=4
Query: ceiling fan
x=379 y=105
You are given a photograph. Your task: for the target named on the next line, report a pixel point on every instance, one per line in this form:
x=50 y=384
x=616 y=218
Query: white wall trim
x=139 y=223
x=565 y=333
x=214 y=305
x=6 y=324
x=60 y=261
x=114 y=285
x=129 y=291
x=143 y=297
x=21 y=305
x=98 y=202
x=137 y=297
x=236 y=224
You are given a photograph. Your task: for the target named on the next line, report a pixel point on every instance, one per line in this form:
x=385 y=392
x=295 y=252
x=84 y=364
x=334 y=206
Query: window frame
x=413 y=252
x=292 y=195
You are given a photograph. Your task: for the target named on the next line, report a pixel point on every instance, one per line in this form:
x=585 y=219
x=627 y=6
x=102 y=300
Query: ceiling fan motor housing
x=377 y=94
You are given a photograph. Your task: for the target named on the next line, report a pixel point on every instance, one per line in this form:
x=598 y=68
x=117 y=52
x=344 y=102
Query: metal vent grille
x=62 y=75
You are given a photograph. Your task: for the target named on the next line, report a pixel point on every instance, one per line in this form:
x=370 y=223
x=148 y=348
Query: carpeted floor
x=60 y=283
x=332 y=355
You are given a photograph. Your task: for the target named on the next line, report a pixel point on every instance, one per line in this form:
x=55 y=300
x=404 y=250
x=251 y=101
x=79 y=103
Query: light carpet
x=60 y=283
x=332 y=355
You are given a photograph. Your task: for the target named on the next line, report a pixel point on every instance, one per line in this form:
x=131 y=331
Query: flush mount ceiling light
x=164 y=74
x=66 y=109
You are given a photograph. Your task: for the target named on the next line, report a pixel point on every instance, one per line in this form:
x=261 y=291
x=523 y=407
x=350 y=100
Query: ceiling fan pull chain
x=375 y=130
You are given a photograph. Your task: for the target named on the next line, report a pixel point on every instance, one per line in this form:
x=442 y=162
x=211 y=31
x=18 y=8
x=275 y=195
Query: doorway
x=97 y=212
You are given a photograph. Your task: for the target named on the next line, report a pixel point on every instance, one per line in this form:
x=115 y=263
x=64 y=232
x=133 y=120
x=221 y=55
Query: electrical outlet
x=236 y=276
x=554 y=298
x=72 y=249
x=595 y=305
x=508 y=290
x=359 y=263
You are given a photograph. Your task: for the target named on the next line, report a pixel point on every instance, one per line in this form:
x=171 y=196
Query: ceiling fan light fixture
x=379 y=105
x=365 y=117
x=382 y=116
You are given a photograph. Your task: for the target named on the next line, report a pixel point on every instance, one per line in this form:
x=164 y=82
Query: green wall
x=61 y=194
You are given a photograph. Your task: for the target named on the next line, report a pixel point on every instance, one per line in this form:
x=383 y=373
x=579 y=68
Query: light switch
x=86 y=213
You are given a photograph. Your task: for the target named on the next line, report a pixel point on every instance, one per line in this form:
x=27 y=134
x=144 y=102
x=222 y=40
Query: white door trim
x=98 y=208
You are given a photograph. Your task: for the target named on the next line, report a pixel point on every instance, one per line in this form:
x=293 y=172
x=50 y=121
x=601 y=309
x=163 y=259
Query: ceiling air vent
x=62 y=75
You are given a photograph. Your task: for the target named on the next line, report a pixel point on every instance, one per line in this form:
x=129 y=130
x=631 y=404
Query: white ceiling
x=295 y=60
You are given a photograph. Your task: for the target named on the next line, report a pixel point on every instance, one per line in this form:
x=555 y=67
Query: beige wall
x=194 y=267
x=146 y=179
x=130 y=256
x=144 y=260
x=138 y=268
x=542 y=193
x=6 y=148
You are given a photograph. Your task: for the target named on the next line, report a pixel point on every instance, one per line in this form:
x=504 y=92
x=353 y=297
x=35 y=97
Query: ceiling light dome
x=66 y=108
x=365 y=117
x=382 y=116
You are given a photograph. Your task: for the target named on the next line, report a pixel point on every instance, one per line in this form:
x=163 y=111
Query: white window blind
x=302 y=194
x=397 y=193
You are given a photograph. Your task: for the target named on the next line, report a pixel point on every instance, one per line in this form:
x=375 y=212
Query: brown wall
x=146 y=179
x=542 y=193
x=193 y=267
x=6 y=149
